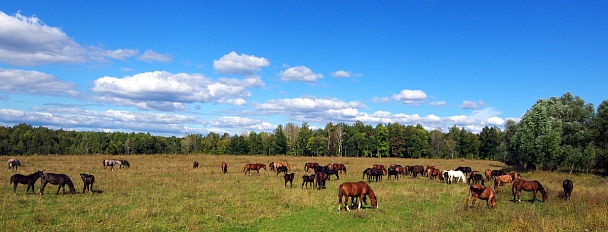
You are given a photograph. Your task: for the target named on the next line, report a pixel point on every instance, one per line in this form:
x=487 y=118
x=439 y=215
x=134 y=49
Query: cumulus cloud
x=243 y=64
x=32 y=82
x=341 y=73
x=150 y=56
x=311 y=109
x=300 y=73
x=438 y=103
x=167 y=91
x=410 y=97
x=242 y=123
x=471 y=104
x=381 y=99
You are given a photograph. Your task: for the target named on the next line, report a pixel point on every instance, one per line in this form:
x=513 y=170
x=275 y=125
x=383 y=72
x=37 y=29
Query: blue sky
x=176 y=68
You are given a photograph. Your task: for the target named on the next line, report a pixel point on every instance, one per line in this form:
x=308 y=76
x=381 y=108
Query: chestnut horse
x=257 y=167
x=355 y=189
x=533 y=186
x=568 y=186
x=488 y=173
x=281 y=164
x=381 y=167
x=225 y=167
x=340 y=167
x=482 y=192
x=310 y=166
x=30 y=180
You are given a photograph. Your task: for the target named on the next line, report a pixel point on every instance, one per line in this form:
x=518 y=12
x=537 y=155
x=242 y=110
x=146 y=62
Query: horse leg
x=533 y=196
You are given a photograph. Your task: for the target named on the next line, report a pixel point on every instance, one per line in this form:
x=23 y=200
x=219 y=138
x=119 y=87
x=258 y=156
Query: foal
x=289 y=178
x=88 y=182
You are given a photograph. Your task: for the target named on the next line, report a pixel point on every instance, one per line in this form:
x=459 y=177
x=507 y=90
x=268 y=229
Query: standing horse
x=568 y=186
x=308 y=179
x=482 y=192
x=195 y=165
x=488 y=174
x=533 y=186
x=225 y=167
x=30 y=180
x=257 y=167
x=320 y=178
x=110 y=163
x=381 y=167
x=88 y=182
x=57 y=179
x=289 y=178
x=458 y=175
x=340 y=167
x=355 y=189
x=310 y=165
x=124 y=163
x=13 y=164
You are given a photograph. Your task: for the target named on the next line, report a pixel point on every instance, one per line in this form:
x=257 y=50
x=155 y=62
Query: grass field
x=164 y=193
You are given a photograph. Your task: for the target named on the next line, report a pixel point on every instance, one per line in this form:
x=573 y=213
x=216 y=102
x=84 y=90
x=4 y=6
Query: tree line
x=559 y=132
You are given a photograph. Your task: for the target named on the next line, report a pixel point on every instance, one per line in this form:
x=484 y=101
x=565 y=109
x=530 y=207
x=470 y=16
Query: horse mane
x=540 y=187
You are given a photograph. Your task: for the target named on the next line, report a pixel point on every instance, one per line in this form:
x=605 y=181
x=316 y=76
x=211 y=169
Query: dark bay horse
x=308 y=179
x=13 y=164
x=257 y=167
x=568 y=186
x=225 y=167
x=195 y=165
x=310 y=166
x=30 y=180
x=485 y=193
x=88 y=182
x=57 y=179
x=289 y=178
x=533 y=186
x=355 y=189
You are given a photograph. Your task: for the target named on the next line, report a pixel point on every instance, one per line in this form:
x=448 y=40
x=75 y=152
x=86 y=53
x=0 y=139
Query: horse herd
x=56 y=179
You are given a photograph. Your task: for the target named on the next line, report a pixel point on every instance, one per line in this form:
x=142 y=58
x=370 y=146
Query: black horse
x=57 y=179
x=124 y=163
x=88 y=182
x=282 y=169
x=30 y=180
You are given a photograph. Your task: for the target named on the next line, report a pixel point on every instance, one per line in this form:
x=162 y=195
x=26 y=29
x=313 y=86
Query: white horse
x=13 y=164
x=456 y=175
x=111 y=164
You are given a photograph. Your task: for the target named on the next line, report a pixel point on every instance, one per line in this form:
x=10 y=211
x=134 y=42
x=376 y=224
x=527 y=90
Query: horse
x=496 y=173
x=124 y=163
x=88 y=182
x=110 y=163
x=310 y=165
x=417 y=169
x=393 y=172
x=434 y=173
x=530 y=167
x=308 y=179
x=30 y=180
x=466 y=170
x=330 y=172
x=289 y=178
x=282 y=164
x=488 y=173
x=533 y=186
x=505 y=179
x=446 y=177
x=355 y=189
x=195 y=165
x=428 y=170
x=476 y=179
x=568 y=186
x=257 y=167
x=381 y=167
x=282 y=169
x=13 y=164
x=271 y=166
x=225 y=167
x=458 y=175
x=340 y=167
x=320 y=178
x=482 y=192
x=57 y=179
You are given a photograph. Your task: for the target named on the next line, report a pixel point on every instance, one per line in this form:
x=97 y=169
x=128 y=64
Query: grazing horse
x=195 y=165
x=257 y=167
x=310 y=165
x=568 y=186
x=476 y=179
x=124 y=163
x=110 y=163
x=417 y=169
x=57 y=179
x=308 y=179
x=505 y=179
x=393 y=172
x=13 y=164
x=320 y=178
x=458 y=175
x=381 y=167
x=340 y=167
x=434 y=173
x=466 y=170
x=289 y=178
x=88 y=182
x=533 y=186
x=225 y=167
x=282 y=169
x=482 y=192
x=496 y=173
x=428 y=170
x=355 y=189
x=488 y=173
x=30 y=180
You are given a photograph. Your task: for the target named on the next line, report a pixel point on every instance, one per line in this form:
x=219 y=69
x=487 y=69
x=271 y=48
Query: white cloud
x=167 y=91
x=243 y=64
x=150 y=56
x=471 y=104
x=242 y=123
x=300 y=73
x=438 y=103
x=410 y=97
x=381 y=99
x=311 y=109
x=32 y=82
x=341 y=73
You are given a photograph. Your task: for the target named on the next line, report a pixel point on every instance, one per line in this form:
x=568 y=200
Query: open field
x=164 y=193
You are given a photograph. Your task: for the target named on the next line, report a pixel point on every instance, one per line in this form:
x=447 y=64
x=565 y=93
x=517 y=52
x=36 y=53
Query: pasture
x=165 y=193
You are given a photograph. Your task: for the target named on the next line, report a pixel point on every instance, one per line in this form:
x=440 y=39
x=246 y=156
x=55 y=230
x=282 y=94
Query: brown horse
x=30 y=180
x=310 y=166
x=195 y=165
x=482 y=192
x=533 y=186
x=88 y=182
x=505 y=179
x=282 y=164
x=568 y=186
x=381 y=167
x=428 y=170
x=488 y=173
x=434 y=173
x=340 y=167
x=289 y=178
x=308 y=179
x=355 y=189
x=257 y=167
x=225 y=167
x=417 y=169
